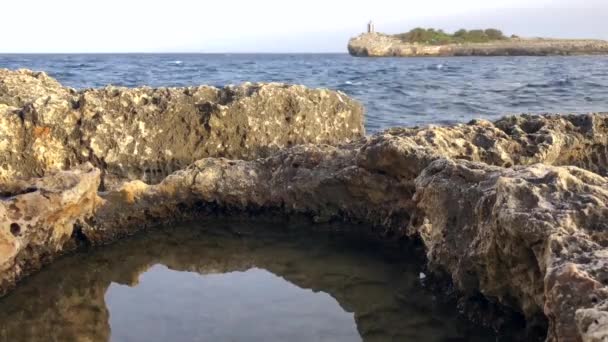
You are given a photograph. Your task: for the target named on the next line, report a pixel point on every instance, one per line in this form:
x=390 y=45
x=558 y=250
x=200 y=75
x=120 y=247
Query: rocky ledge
x=514 y=210
x=147 y=133
x=383 y=45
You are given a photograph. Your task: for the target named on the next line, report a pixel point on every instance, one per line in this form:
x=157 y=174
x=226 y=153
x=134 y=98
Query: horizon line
x=175 y=53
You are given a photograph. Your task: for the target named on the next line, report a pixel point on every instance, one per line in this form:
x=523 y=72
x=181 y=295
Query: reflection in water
x=217 y=282
x=254 y=305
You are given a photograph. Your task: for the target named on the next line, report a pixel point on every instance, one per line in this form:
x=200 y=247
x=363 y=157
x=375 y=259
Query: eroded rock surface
x=147 y=133
x=578 y=140
x=530 y=237
x=514 y=210
x=533 y=237
x=38 y=219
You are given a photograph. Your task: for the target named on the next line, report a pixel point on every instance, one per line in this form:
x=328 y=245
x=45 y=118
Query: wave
x=439 y=66
x=353 y=83
x=395 y=92
x=562 y=82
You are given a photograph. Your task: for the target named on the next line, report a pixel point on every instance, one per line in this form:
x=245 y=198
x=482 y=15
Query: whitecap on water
x=435 y=66
x=353 y=83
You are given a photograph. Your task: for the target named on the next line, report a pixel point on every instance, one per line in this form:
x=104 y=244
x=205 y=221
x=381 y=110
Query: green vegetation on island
x=432 y=36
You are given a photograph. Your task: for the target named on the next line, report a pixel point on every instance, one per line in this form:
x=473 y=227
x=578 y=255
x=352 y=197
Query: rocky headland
x=383 y=45
x=513 y=210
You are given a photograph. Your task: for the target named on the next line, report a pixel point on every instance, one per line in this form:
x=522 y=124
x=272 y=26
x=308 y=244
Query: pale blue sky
x=272 y=25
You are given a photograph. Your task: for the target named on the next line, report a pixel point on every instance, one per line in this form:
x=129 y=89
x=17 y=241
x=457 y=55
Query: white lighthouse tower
x=370 y=27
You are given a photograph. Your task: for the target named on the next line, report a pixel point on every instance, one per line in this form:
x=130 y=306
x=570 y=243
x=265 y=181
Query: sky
x=289 y=26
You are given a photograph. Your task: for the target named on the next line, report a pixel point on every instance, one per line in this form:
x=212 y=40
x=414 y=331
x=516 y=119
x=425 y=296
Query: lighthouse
x=370 y=27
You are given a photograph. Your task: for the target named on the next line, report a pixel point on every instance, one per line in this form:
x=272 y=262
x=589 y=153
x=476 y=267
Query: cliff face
x=515 y=210
x=381 y=45
x=147 y=133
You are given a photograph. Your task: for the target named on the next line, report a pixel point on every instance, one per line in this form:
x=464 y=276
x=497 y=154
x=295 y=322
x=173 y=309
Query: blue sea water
x=395 y=91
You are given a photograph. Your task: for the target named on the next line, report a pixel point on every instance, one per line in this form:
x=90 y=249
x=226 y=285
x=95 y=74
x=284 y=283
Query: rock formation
x=530 y=237
x=383 y=45
x=514 y=210
x=533 y=237
x=147 y=133
x=37 y=219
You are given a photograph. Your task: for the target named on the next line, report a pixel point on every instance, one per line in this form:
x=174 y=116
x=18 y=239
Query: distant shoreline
x=382 y=45
x=168 y=53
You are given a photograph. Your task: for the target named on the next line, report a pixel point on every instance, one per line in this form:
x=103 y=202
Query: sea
x=394 y=91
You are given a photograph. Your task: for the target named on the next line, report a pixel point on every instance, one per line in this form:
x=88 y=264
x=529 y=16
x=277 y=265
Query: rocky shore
x=147 y=133
x=383 y=45
x=514 y=210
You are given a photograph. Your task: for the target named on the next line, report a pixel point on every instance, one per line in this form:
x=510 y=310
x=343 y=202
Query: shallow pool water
x=222 y=281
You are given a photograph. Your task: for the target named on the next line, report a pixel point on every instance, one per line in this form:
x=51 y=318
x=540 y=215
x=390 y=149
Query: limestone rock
x=20 y=87
x=514 y=209
x=529 y=237
x=383 y=45
x=593 y=323
x=534 y=237
x=145 y=133
x=578 y=140
x=317 y=180
x=38 y=219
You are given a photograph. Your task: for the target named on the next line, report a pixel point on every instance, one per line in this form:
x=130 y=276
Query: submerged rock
x=146 y=133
